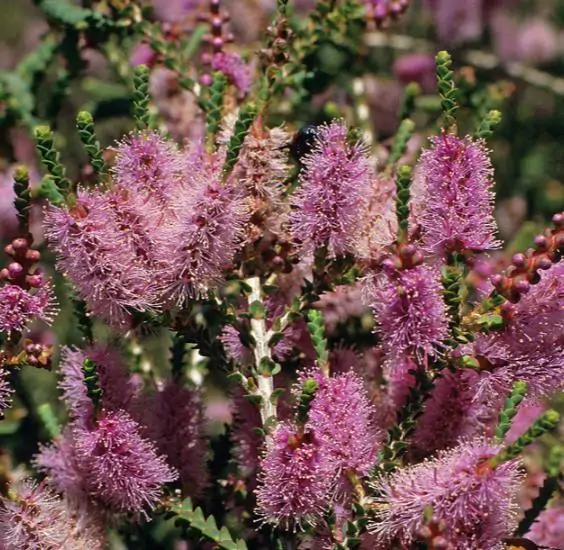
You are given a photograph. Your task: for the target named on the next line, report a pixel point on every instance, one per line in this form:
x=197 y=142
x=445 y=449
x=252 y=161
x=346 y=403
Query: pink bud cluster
x=26 y=294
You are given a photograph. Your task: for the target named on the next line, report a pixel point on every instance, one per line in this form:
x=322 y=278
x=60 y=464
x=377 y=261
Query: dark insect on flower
x=519 y=543
x=303 y=142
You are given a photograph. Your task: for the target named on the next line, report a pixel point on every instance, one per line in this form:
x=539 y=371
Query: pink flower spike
x=232 y=66
x=124 y=471
x=454 y=202
x=175 y=424
x=150 y=165
x=296 y=479
x=531 y=346
x=35 y=518
x=409 y=310
x=59 y=462
x=476 y=502
x=106 y=248
x=341 y=417
x=334 y=185
x=210 y=231
x=548 y=529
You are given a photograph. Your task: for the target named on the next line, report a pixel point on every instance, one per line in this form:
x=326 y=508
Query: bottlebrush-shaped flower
x=119 y=391
x=263 y=163
x=107 y=257
x=296 y=479
x=409 y=310
x=548 y=529
x=341 y=418
x=261 y=171
x=334 y=184
x=33 y=517
x=59 y=462
x=19 y=307
x=476 y=502
x=531 y=347
x=467 y=417
x=378 y=225
x=150 y=166
x=453 y=202
x=123 y=470
x=175 y=424
x=211 y=218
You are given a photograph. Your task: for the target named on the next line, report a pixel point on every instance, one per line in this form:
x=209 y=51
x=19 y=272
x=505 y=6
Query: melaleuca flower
x=234 y=348
x=410 y=311
x=531 y=346
x=399 y=375
x=119 y=391
x=341 y=418
x=59 y=462
x=33 y=517
x=476 y=502
x=151 y=167
x=235 y=69
x=548 y=528
x=334 y=184
x=122 y=469
x=175 y=424
x=211 y=218
x=6 y=391
x=296 y=478
x=378 y=226
x=19 y=307
x=453 y=201
x=263 y=163
x=107 y=257
x=261 y=170
x=467 y=417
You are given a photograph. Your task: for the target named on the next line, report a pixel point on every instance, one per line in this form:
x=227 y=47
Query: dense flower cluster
x=166 y=229
x=476 y=501
x=18 y=306
x=531 y=345
x=102 y=459
x=297 y=478
x=287 y=320
x=32 y=516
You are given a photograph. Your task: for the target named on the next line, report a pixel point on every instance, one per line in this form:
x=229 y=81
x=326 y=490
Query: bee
x=519 y=543
x=303 y=142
